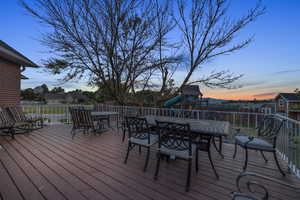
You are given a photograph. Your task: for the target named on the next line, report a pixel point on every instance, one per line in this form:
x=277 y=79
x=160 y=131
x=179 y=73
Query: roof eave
x=15 y=58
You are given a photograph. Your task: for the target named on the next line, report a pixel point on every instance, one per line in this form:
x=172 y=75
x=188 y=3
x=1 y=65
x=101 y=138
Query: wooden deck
x=48 y=164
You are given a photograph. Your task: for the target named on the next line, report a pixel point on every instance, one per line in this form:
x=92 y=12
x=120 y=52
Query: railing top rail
x=287 y=118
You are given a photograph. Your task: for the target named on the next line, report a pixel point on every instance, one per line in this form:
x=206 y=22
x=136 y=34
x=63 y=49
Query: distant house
x=288 y=104
x=76 y=97
x=39 y=90
x=266 y=108
x=58 y=98
x=70 y=97
x=12 y=63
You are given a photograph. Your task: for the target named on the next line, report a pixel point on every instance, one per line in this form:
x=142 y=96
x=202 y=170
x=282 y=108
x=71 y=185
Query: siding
x=9 y=83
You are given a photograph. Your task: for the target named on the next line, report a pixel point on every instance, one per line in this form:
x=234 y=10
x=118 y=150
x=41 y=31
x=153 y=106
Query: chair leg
x=157 y=166
x=128 y=150
x=263 y=155
x=12 y=132
x=188 y=180
x=221 y=146
x=167 y=158
x=197 y=160
x=124 y=133
x=235 y=150
x=140 y=150
x=246 y=159
x=73 y=133
x=277 y=163
x=212 y=164
x=147 y=159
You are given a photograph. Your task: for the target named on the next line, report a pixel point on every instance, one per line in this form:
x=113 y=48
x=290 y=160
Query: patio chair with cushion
x=265 y=141
x=175 y=141
x=19 y=116
x=253 y=188
x=139 y=135
x=128 y=113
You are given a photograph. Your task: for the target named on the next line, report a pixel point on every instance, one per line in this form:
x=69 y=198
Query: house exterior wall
x=294 y=106
x=281 y=105
x=10 y=77
x=294 y=115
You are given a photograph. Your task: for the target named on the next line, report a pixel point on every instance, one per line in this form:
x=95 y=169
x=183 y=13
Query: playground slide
x=172 y=101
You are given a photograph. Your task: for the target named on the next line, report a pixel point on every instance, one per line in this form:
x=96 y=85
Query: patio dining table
x=210 y=128
x=107 y=115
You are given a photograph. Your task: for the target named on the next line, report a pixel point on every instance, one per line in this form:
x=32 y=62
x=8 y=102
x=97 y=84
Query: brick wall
x=9 y=83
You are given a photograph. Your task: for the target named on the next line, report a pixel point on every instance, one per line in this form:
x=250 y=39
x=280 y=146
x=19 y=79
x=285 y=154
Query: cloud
x=268 y=94
x=252 y=83
x=287 y=71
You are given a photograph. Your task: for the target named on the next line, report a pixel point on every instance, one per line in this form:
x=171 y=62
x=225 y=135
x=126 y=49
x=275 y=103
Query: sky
x=270 y=64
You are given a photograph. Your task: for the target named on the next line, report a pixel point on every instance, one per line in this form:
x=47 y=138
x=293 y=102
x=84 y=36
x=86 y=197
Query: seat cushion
x=177 y=153
x=241 y=196
x=256 y=143
x=144 y=141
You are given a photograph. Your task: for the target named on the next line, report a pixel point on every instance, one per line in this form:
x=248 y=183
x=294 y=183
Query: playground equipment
x=190 y=98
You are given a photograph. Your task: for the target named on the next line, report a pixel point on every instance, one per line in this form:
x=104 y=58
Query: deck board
x=48 y=164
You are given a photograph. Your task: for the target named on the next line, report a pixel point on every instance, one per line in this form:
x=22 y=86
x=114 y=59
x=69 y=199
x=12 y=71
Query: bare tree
x=112 y=42
x=123 y=45
x=208 y=33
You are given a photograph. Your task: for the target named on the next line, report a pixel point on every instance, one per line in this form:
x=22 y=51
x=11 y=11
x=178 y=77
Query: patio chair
x=19 y=116
x=265 y=141
x=203 y=143
x=139 y=135
x=82 y=120
x=130 y=113
x=6 y=124
x=175 y=141
x=254 y=189
x=74 y=112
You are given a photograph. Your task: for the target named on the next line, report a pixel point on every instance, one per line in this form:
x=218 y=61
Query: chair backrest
x=138 y=128
x=85 y=118
x=269 y=128
x=5 y=119
x=174 y=136
x=17 y=113
x=80 y=117
x=254 y=188
x=75 y=117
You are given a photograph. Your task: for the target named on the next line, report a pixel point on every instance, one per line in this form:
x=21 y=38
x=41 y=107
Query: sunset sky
x=271 y=64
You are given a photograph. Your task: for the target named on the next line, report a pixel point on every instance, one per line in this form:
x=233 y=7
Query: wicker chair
x=254 y=189
x=175 y=140
x=265 y=141
x=139 y=135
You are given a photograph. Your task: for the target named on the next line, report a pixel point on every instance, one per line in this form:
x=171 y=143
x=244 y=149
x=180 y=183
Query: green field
x=46 y=109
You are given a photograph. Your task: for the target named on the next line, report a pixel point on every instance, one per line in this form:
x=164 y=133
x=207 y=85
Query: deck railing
x=288 y=142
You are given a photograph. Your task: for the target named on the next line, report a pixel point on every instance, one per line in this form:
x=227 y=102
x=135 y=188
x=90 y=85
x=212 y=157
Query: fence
x=288 y=142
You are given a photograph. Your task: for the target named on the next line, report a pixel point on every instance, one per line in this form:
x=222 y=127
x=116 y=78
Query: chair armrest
x=251 y=183
x=250 y=139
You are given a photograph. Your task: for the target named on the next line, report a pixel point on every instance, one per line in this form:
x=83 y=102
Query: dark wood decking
x=48 y=164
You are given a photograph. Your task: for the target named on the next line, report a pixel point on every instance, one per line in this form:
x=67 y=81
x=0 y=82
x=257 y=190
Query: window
x=281 y=103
